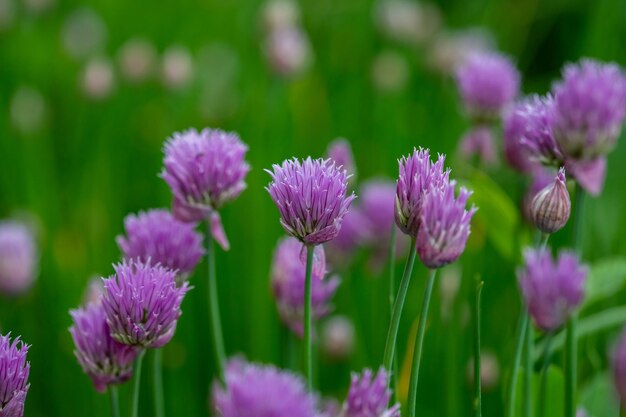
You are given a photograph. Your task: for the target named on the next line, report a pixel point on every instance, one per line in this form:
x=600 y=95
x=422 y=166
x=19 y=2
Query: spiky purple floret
x=142 y=304
x=205 y=169
x=487 y=83
x=369 y=396
x=287 y=280
x=417 y=174
x=340 y=151
x=618 y=362
x=252 y=390
x=552 y=290
x=445 y=225
x=479 y=142
x=18 y=258
x=312 y=198
x=14 y=370
x=590 y=105
x=102 y=358
x=157 y=237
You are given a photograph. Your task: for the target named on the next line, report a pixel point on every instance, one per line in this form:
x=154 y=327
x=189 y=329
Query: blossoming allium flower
x=618 y=364
x=102 y=358
x=550 y=208
x=552 y=290
x=288 y=280
x=417 y=174
x=253 y=390
x=479 y=142
x=354 y=231
x=14 y=372
x=445 y=225
x=312 y=198
x=156 y=236
x=18 y=258
x=340 y=151
x=205 y=170
x=488 y=82
x=142 y=304
x=369 y=396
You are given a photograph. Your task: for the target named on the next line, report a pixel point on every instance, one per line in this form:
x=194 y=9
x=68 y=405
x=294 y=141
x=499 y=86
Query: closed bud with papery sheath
x=14 y=371
x=550 y=208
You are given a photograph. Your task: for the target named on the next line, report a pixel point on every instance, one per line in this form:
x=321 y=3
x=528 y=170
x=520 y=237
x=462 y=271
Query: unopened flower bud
x=551 y=207
x=338 y=337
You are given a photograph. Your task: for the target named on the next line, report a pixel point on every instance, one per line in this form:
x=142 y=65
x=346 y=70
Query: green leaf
x=598 y=397
x=605 y=279
x=555 y=384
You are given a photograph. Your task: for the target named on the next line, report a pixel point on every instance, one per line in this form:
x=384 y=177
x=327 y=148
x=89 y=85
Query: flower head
x=417 y=175
x=369 y=396
x=488 y=82
x=590 y=105
x=142 y=304
x=156 y=236
x=253 y=390
x=340 y=151
x=552 y=290
x=618 y=362
x=102 y=358
x=18 y=258
x=14 y=372
x=479 y=141
x=550 y=208
x=288 y=279
x=311 y=197
x=445 y=225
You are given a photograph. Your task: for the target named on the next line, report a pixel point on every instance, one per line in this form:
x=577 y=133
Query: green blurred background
x=78 y=165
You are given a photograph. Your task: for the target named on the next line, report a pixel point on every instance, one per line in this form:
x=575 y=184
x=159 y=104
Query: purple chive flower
x=157 y=237
x=488 y=82
x=205 y=170
x=18 y=258
x=353 y=233
x=142 y=304
x=102 y=358
x=252 y=390
x=369 y=396
x=417 y=175
x=590 y=105
x=14 y=372
x=479 y=141
x=287 y=280
x=445 y=225
x=618 y=362
x=589 y=174
x=550 y=208
x=311 y=197
x=340 y=151
x=552 y=290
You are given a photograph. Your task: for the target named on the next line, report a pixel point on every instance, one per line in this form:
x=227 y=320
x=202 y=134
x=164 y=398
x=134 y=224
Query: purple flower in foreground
x=552 y=290
x=417 y=175
x=590 y=106
x=252 y=390
x=287 y=280
x=550 y=208
x=618 y=363
x=14 y=372
x=445 y=225
x=479 y=141
x=340 y=151
x=369 y=396
x=142 y=304
x=157 y=237
x=18 y=258
x=311 y=197
x=488 y=82
x=102 y=358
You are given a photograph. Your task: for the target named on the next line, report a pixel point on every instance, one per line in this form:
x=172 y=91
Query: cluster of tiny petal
x=205 y=169
x=552 y=290
x=488 y=83
x=14 y=372
x=445 y=225
x=590 y=108
x=253 y=390
x=18 y=258
x=369 y=396
x=142 y=304
x=340 y=151
x=479 y=142
x=312 y=198
x=550 y=208
x=102 y=358
x=156 y=236
x=288 y=282
x=618 y=365
x=417 y=174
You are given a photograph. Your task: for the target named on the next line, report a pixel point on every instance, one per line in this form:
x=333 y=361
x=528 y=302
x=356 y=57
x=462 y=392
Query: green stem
x=214 y=308
x=622 y=409
x=528 y=369
x=398 y=305
x=157 y=371
x=544 y=240
x=544 y=376
x=419 y=343
x=519 y=347
x=115 y=404
x=392 y=293
x=135 y=404
x=477 y=387
x=308 y=347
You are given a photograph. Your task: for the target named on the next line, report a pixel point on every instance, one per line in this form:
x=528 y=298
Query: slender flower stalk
x=157 y=371
x=529 y=341
x=541 y=410
x=517 y=358
x=308 y=347
x=477 y=356
x=216 y=323
x=115 y=404
x=392 y=293
x=138 y=363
